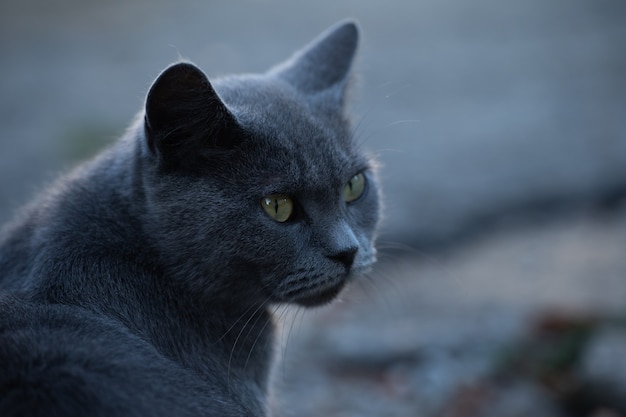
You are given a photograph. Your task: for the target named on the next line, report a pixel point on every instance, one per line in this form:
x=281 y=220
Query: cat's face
x=257 y=188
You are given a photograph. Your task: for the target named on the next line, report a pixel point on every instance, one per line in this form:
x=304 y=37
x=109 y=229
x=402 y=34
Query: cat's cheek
x=365 y=259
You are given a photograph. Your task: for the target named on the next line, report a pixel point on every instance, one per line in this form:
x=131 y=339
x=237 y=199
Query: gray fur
x=141 y=283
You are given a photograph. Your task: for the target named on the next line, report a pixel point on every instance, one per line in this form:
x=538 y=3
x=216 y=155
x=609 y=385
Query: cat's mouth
x=311 y=289
x=321 y=297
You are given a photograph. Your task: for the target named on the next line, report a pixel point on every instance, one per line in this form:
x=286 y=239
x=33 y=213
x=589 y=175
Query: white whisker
x=234 y=346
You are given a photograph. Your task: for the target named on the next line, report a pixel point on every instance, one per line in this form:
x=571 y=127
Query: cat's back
x=65 y=361
x=83 y=214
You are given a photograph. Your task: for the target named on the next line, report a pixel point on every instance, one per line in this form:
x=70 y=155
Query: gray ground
x=502 y=131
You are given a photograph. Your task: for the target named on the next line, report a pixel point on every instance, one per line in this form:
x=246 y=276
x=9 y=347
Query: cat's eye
x=354 y=188
x=278 y=207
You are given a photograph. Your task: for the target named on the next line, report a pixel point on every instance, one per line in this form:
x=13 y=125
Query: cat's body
x=141 y=283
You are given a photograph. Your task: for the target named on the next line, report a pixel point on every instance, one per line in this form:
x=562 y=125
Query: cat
x=142 y=283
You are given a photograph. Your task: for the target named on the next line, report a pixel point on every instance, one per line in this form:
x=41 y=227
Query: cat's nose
x=345 y=256
x=340 y=244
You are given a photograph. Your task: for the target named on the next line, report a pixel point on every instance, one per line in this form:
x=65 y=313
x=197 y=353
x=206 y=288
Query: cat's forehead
x=302 y=157
x=294 y=138
x=268 y=102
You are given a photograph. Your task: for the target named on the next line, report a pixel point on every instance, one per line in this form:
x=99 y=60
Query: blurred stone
x=603 y=369
x=518 y=399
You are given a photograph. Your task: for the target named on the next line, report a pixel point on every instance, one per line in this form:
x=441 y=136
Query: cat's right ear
x=184 y=117
x=324 y=63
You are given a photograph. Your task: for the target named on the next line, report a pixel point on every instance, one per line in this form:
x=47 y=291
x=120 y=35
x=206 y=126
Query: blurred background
x=501 y=128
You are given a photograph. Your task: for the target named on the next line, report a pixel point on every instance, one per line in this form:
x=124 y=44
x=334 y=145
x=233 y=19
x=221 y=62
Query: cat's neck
x=92 y=250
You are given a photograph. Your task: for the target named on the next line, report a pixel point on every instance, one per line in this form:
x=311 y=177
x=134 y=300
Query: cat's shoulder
x=46 y=368
x=66 y=361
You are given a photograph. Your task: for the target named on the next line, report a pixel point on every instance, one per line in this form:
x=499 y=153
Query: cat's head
x=256 y=186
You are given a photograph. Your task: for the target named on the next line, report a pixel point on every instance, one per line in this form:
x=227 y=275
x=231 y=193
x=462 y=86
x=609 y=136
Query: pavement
x=501 y=131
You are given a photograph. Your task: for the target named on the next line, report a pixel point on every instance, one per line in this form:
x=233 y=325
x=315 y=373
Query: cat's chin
x=321 y=298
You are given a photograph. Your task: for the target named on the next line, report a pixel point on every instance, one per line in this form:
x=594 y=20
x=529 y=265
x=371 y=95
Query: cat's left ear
x=185 y=117
x=324 y=63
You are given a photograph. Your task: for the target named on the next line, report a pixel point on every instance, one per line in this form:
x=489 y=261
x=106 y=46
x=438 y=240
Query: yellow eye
x=278 y=207
x=354 y=188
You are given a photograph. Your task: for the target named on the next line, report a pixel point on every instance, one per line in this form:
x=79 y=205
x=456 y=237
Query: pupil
x=276 y=206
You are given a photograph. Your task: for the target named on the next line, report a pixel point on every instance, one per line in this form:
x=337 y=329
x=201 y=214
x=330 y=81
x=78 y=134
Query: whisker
x=256 y=339
x=360 y=127
x=291 y=326
x=389 y=295
x=251 y=329
x=294 y=318
x=389 y=248
x=232 y=351
x=403 y=87
x=366 y=286
x=232 y=326
x=285 y=310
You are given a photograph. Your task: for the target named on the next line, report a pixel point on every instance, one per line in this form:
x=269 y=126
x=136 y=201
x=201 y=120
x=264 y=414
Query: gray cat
x=141 y=284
